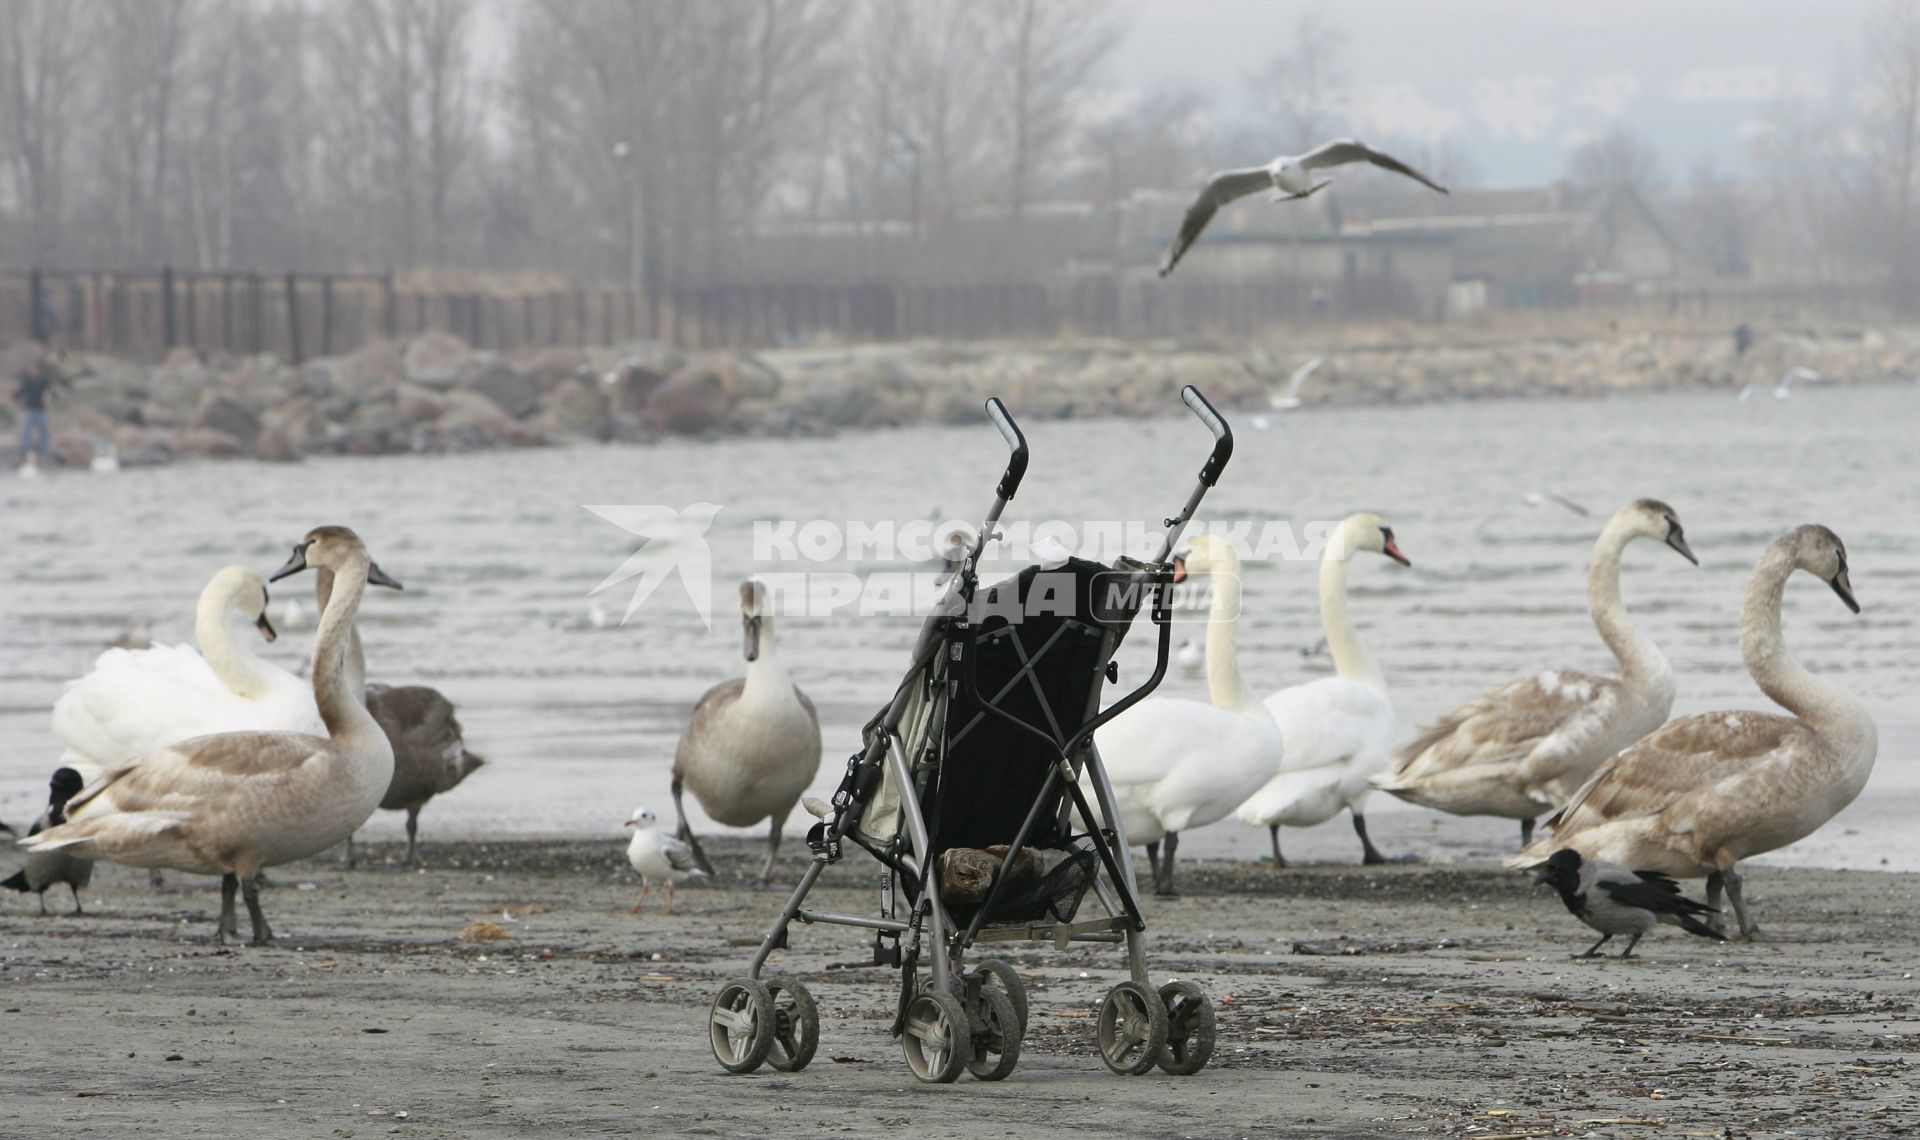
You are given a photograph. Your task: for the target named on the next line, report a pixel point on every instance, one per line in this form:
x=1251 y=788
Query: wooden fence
x=298 y=316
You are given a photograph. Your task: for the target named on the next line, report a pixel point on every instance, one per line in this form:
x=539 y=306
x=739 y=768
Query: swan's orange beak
x=1179 y=570
x=265 y=627
x=1392 y=550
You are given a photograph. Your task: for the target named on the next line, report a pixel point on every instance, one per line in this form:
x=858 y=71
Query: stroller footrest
x=1059 y=933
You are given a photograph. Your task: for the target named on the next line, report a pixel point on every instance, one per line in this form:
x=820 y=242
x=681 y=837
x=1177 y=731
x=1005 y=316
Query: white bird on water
x=1289 y=176
x=1784 y=388
x=657 y=857
x=1290 y=399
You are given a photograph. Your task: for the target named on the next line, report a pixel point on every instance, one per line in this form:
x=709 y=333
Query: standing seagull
x=1289 y=177
x=657 y=856
x=45 y=868
x=1614 y=900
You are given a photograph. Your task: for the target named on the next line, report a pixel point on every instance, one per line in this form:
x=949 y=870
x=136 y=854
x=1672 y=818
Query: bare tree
x=1304 y=86
x=42 y=45
x=1046 y=55
x=1892 y=138
x=1618 y=159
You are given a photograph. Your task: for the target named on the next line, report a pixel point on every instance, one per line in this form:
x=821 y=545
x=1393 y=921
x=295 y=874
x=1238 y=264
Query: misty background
x=668 y=144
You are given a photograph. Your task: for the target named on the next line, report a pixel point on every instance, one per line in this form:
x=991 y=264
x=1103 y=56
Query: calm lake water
x=579 y=721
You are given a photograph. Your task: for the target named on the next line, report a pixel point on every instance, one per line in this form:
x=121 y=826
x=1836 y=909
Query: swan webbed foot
x=227 y=923
x=76 y=898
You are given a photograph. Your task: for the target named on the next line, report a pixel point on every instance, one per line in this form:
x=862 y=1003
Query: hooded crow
x=1614 y=900
x=45 y=868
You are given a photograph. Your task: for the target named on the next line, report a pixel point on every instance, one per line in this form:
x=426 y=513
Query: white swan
x=753 y=744
x=234 y=803
x=1707 y=791
x=1338 y=730
x=1179 y=764
x=1520 y=750
x=138 y=700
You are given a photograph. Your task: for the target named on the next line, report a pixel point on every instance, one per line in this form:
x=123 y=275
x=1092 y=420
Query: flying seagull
x=1614 y=900
x=1289 y=176
x=1290 y=400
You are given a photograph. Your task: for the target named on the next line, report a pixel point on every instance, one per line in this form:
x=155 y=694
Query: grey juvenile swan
x=234 y=803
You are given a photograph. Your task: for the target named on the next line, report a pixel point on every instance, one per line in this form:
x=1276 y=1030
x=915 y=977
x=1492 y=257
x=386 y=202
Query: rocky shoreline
x=434 y=393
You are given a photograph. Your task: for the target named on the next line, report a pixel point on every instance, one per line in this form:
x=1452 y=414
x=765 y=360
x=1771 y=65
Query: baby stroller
x=970 y=790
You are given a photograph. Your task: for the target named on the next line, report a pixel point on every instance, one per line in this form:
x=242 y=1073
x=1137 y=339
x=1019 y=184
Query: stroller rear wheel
x=938 y=1041
x=1190 y=1028
x=740 y=1025
x=996 y=971
x=1132 y=1029
x=996 y=1036
x=796 y=1025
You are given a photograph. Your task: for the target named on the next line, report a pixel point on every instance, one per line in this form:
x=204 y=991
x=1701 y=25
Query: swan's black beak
x=1392 y=549
x=1678 y=540
x=1843 y=586
x=294 y=565
x=379 y=577
x=265 y=627
x=752 y=647
x=1179 y=569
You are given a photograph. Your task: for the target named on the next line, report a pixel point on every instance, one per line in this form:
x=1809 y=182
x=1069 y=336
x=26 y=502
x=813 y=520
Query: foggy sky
x=1520 y=82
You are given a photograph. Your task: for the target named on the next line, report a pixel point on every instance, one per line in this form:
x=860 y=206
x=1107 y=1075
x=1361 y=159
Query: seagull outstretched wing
x=1222 y=188
x=1340 y=152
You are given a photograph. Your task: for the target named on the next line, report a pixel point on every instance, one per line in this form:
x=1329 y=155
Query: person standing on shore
x=36 y=380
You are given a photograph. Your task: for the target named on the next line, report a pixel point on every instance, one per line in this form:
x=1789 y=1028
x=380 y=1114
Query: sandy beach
x=1401 y=1000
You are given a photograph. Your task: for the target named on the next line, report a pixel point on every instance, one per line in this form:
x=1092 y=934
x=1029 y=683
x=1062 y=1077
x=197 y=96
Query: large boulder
x=274 y=446
x=436 y=359
x=696 y=399
x=474 y=421
x=516 y=393
x=418 y=405
x=575 y=408
x=219 y=412
x=209 y=443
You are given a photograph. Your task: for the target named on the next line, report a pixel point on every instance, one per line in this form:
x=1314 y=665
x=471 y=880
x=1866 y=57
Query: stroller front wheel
x=1190 y=1028
x=1132 y=1029
x=997 y=1030
x=740 y=1025
x=938 y=1041
x=796 y=1025
x=997 y=971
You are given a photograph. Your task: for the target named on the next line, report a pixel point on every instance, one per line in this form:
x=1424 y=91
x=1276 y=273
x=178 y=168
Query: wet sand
x=1401 y=1000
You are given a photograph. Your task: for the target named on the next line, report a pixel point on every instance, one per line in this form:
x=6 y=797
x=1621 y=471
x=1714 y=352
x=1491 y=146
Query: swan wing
x=1503 y=726
x=1329 y=722
x=1701 y=754
x=135 y=702
x=695 y=741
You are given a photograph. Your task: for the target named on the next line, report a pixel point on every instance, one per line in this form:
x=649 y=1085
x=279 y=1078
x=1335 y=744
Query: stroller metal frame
x=974 y=1021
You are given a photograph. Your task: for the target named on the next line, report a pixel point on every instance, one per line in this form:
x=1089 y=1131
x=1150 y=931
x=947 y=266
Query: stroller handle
x=1222 y=434
x=1017 y=461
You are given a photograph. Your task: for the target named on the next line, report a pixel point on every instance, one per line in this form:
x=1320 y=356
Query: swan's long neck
x=767 y=678
x=356 y=655
x=1642 y=665
x=1350 y=658
x=335 y=689
x=1224 y=683
x=1829 y=709
x=238 y=667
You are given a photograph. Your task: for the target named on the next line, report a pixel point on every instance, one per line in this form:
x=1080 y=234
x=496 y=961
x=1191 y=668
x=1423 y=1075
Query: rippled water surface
x=579 y=721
